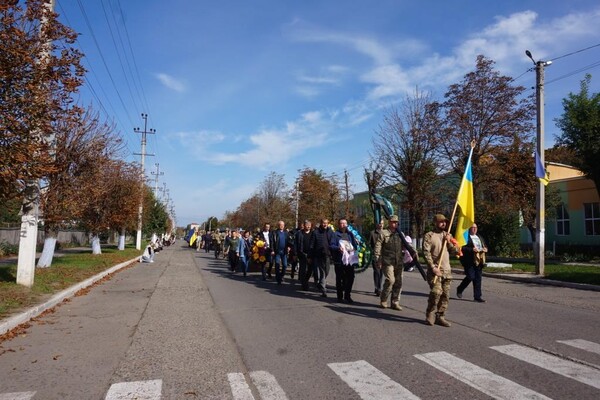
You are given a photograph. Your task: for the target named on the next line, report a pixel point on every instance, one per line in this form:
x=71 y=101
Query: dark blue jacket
x=336 y=253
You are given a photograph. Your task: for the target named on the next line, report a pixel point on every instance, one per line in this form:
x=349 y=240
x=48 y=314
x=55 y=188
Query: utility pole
x=540 y=233
x=297 y=200
x=347 y=215
x=143 y=154
x=31 y=198
x=156 y=175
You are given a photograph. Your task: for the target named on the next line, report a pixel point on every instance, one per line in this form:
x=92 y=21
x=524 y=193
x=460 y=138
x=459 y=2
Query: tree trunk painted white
x=45 y=260
x=96 y=245
x=122 y=240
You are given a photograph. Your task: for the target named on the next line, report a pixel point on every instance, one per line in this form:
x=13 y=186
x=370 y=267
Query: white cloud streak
x=171 y=82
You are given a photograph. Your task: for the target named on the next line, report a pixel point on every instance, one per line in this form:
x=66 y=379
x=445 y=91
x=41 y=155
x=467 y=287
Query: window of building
x=563 y=224
x=591 y=215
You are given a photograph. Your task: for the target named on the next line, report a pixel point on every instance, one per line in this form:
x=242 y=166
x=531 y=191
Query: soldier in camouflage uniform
x=389 y=256
x=436 y=246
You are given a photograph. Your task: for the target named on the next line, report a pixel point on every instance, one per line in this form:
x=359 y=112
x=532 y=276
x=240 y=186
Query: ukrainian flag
x=193 y=239
x=466 y=203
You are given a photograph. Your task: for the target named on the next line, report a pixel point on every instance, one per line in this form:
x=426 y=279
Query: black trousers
x=344 y=279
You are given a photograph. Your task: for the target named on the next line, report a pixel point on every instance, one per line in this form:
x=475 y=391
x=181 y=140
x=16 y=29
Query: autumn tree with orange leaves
x=80 y=141
x=40 y=70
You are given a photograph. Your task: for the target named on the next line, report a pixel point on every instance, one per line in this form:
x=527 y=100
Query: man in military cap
x=437 y=246
x=389 y=256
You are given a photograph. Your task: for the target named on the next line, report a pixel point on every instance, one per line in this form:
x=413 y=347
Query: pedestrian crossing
x=369 y=383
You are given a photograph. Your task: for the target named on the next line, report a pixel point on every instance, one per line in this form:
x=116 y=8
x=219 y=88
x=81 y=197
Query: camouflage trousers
x=439 y=294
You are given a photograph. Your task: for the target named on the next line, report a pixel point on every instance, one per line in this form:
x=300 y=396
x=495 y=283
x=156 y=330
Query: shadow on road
x=291 y=288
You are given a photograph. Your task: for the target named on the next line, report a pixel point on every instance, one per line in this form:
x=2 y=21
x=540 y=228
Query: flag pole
x=455 y=207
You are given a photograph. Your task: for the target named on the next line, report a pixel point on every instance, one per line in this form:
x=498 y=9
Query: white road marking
x=583 y=345
x=140 y=390
x=239 y=387
x=17 y=396
x=479 y=378
x=267 y=386
x=570 y=369
x=369 y=382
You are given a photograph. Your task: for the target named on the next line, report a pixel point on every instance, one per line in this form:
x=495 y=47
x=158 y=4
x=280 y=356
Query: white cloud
x=271 y=147
x=171 y=82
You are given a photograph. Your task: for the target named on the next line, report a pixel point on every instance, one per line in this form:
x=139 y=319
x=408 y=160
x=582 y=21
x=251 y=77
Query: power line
x=119 y=56
x=590 y=66
x=104 y=61
x=133 y=55
x=574 y=52
x=91 y=87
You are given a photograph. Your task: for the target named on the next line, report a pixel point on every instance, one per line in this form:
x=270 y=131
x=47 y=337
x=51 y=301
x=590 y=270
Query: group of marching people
x=305 y=250
x=311 y=252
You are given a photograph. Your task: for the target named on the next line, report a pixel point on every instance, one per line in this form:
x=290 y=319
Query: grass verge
x=557 y=272
x=66 y=270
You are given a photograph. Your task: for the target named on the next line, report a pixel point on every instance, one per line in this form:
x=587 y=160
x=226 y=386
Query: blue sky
x=237 y=89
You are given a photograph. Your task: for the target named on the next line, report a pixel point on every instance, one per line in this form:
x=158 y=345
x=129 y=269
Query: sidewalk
x=532 y=278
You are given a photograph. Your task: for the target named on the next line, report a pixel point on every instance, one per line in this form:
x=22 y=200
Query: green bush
x=7 y=249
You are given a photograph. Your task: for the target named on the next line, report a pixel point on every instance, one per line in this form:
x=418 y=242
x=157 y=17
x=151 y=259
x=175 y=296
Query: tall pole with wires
x=540 y=233
x=143 y=154
x=156 y=175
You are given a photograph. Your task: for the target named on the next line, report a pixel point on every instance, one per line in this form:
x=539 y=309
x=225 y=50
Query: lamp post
x=540 y=233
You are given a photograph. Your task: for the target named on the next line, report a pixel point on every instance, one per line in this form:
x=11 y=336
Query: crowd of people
x=311 y=251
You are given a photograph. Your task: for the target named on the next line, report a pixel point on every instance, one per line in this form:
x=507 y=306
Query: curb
x=536 y=280
x=16 y=320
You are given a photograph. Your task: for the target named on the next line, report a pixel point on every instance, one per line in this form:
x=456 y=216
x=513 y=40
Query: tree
x=80 y=140
x=405 y=146
x=319 y=195
x=508 y=193
x=156 y=217
x=123 y=201
x=560 y=154
x=39 y=72
x=580 y=125
x=275 y=202
x=485 y=107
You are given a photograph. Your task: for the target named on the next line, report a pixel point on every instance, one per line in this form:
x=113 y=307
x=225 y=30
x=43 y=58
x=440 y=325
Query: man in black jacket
x=320 y=255
x=302 y=243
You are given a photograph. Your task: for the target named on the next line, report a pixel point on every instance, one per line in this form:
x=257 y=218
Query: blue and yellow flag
x=466 y=204
x=540 y=171
x=193 y=239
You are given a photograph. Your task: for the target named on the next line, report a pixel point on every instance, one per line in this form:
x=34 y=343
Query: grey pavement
x=151 y=321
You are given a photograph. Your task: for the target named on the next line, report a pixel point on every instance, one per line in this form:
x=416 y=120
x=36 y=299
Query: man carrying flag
x=439 y=243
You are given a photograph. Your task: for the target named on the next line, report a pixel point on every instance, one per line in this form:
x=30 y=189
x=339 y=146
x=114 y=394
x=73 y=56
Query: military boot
x=440 y=320
x=396 y=306
x=430 y=318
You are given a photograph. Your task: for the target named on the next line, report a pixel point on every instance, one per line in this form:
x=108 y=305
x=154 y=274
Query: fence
x=11 y=236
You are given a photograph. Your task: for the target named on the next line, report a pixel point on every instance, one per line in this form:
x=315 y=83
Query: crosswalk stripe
x=17 y=396
x=267 y=386
x=369 y=382
x=140 y=390
x=570 y=369
x=479 y=378
x=239 y=388
x=583 y=345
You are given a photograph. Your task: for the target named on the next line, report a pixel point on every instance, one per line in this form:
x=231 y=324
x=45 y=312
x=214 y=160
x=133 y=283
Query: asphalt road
x=187 y=328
